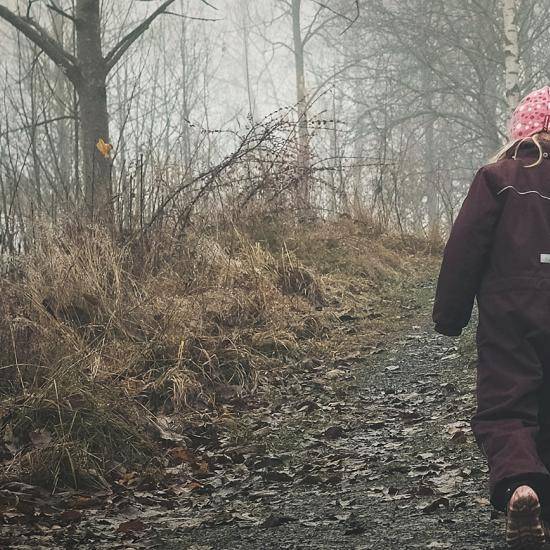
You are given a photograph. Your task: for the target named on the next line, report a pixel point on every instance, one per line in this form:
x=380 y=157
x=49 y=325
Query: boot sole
x=524 y=528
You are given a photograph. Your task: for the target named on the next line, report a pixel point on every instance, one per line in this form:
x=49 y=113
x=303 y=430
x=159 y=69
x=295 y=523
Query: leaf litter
x=368 y=450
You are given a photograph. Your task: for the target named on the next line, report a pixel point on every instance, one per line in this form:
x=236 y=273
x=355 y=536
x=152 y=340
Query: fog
x=395 y=106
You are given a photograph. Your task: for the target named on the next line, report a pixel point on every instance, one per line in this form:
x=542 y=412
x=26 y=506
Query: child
x=499 y=252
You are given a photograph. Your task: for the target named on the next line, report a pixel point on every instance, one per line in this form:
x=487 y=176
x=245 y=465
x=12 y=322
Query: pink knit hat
x=532 y=115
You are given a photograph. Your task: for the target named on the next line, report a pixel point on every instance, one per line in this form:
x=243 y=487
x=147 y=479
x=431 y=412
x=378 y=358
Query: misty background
x=395 y=107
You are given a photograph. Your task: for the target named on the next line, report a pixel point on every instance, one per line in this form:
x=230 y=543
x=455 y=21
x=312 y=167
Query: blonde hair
x=503 y=152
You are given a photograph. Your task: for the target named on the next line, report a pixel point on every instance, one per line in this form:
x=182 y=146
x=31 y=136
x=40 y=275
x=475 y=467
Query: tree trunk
x=94 y=115
x=303 y=156
x=428 y=155
x=33 y=134
x=511 y=53
x=61 y=108
x=245 y=17
x=185 y=94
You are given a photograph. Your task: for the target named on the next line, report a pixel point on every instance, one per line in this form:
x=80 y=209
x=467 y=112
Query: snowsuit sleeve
x=465 y=257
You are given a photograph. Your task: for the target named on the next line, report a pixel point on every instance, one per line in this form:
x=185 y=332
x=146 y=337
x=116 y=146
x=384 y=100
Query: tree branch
x=191 y=17
x=35 y=125
x=312 y=32
x=322 y=5
x=356 y=18
x=114 y=56
x=209 y=4
x=39 y=36
x=54 y=7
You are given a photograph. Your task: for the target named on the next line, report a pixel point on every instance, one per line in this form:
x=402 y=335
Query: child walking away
x=499 y=252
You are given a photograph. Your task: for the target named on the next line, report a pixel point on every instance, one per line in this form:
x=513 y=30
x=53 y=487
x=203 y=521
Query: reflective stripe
x=523 y=192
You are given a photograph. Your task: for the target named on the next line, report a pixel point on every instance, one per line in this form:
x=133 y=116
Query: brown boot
x=524 y=527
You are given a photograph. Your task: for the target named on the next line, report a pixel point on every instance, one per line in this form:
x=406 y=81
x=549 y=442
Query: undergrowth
x=101 y=340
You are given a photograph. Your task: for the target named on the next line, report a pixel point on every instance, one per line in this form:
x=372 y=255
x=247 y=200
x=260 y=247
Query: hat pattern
x=532 y=115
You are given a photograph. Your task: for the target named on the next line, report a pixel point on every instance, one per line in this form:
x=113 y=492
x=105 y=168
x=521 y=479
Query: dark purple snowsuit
x=499 y=252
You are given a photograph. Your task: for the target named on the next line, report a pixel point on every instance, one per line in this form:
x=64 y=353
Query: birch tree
x=511 y=53
x=319 y=20
x=301 y=99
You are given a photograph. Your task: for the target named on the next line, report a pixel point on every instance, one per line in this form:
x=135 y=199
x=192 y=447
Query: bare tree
x=88 y=72
x=511 y=52
x=301 y=99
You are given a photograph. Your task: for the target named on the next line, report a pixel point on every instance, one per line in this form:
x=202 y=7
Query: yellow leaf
x=104 y=148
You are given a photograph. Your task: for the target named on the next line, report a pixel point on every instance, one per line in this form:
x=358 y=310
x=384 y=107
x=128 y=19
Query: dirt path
x=371 y=452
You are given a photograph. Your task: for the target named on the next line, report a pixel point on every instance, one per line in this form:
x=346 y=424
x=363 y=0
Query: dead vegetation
x=109 y=351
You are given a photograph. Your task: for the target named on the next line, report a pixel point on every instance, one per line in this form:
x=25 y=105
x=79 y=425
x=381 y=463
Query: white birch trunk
x=301 y=98
x=511 y=53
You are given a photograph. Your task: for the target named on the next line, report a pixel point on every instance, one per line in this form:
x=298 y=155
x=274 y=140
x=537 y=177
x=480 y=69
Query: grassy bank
x=113 y=354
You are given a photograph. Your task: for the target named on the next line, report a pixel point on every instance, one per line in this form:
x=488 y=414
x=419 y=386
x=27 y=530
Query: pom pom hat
x=532 y=115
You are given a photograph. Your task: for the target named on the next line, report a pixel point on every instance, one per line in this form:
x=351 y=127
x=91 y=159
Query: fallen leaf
x=435 y=505
x=132 y=526
x=274 y=520
x=70 y=516
x=40 y=438
x=334 y=432
x=277 y=476
x=334 y=374
x=181 y=455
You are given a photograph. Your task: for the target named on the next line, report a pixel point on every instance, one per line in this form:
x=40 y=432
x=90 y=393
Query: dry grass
x=98 y=338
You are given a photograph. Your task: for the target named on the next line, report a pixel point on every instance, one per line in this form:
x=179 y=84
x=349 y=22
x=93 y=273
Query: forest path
x=371 y=452
x=380 y=456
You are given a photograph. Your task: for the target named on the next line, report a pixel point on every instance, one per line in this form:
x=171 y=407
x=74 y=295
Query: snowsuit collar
x=530 y=150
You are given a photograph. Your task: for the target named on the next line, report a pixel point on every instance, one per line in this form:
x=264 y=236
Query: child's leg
x=543 y=439
x=506 y=424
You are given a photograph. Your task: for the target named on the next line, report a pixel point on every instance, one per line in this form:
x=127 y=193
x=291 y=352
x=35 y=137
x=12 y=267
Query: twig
x=357 y=15
x=54 y=7
x=193 y=18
